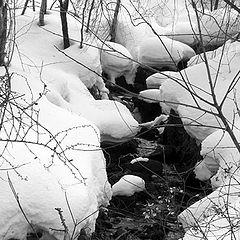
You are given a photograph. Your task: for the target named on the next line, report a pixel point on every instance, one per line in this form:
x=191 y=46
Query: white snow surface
x=174 y=94
x=50 y=158
x=215 y=214
x=163 y=52
x=139 y=159
x=116 y=61
x=128 y=185
x=156 y=79
x=65 y=77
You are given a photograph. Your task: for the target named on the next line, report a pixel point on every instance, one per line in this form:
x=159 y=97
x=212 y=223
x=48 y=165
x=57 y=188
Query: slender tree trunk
x=216 y=4
x=3 y=31
x=114 y=22
x=89 y=16
x=43 y=10
x=63 y=15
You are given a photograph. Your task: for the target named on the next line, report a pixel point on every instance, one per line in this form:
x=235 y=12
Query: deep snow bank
x=65 y=71
x=51 y=162
x=216 y=216
x=189 y=92
x=114 y=120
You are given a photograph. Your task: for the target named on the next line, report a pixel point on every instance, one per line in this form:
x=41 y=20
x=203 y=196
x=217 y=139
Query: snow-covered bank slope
x=65 y=71
x=189 y=92
x=50 y=160
x=216 y=216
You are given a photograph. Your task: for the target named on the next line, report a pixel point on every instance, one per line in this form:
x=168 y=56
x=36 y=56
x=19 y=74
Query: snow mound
x=139 y=159
x=131 y=32
x=163 y=52
x=114 y=120
x=46 y=51
x=213 y=26
x=128 y=185
x=52 y=168
x=116 y=61
x=217 y=23
x=157 y=79
x=189 y=93
x=184 y=32
x=216 y=214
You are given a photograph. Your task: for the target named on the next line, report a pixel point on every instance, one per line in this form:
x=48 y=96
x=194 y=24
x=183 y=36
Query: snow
x=174 y=94
x=215 y=24
x=64 y=76
x=163 y=52
x=128 y=185
x=116 y=61
x=114 y=120
x=139 y=159
x=210 y=214
x=156 y=79
x=53 y=160
x=212 y=25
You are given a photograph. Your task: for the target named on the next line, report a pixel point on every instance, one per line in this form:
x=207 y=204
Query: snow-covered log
x=128 y=185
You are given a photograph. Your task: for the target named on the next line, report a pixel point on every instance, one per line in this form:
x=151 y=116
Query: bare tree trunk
x=25 y=7
x=43 y=10
x=89 y=16
x=216 y=4
x=63 y=15
x=83 y=19
x=3 y=31
x=114 y=22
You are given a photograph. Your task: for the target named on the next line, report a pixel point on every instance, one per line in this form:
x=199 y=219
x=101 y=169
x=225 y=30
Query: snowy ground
x=53 y=171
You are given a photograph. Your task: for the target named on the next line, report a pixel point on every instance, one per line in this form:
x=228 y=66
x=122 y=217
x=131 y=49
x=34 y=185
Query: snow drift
x=51 y=162
x=216 y=215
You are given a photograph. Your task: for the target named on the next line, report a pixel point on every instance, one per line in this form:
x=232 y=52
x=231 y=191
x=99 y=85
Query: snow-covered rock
x=139 y=159
x=51 y=168
x=150 y=95
x=114 y=120
x=219 y=155
x=128 y=185
x=217 y=213
x=116 y=61
x=156 y=79
x=189 y=93
x=163 y=52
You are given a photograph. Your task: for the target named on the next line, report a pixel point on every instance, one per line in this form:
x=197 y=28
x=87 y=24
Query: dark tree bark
x=114 y=22
x=63 y=15
x=89 y=15
x=43 y=10
x=216 y=4
x=3 y=31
